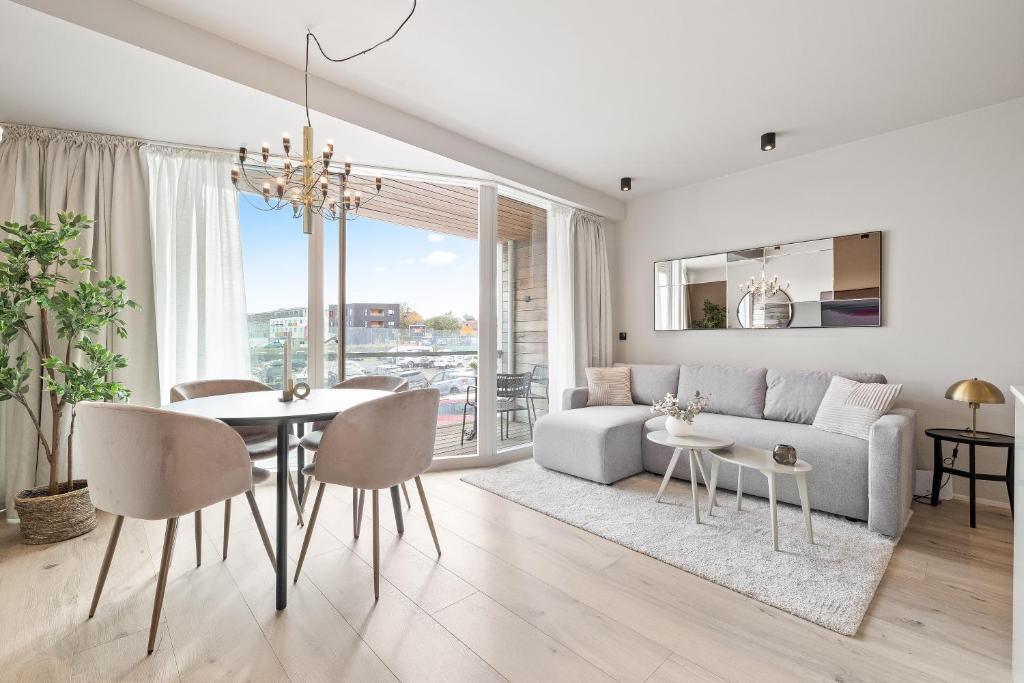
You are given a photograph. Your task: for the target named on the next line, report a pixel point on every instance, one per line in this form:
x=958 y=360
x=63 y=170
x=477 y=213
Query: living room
x=545 y=341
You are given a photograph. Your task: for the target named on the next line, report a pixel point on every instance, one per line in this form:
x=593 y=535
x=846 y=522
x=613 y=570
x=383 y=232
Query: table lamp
x=974 y=392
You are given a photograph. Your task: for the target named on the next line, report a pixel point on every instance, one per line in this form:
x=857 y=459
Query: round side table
x=960 y=436
x=694 y=443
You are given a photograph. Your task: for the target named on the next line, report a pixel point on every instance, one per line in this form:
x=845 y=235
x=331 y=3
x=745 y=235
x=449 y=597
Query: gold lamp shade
x=974 y=392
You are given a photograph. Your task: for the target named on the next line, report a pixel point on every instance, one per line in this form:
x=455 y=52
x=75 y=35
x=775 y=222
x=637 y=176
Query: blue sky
x=432 y=272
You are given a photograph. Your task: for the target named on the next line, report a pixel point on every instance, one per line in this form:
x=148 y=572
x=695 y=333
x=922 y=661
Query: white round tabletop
x=705 y=441
x=263 y=407
x=758 y=459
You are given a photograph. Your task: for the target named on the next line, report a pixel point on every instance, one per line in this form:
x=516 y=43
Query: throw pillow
x=608 y=387
x=851 y=407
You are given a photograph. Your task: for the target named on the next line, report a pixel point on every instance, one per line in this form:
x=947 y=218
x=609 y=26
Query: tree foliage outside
x=408 y=316
x=39 y=303
x=446 y=322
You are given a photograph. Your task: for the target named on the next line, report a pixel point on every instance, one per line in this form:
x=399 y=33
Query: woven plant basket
x=50 y=519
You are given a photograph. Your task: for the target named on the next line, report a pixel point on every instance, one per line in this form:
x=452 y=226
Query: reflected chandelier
x=309 y=184
x=764 y=287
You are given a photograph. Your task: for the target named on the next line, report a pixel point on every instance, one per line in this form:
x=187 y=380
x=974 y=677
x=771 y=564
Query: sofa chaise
x=868 y=480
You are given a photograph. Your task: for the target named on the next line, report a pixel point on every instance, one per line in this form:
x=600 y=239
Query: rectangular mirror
x=833 y=282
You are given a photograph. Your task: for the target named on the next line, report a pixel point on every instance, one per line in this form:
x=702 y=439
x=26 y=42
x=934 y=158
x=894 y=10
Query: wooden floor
x=517 y=595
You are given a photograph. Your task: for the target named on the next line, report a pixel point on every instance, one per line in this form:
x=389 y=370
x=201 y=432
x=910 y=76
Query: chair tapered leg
x=227 y=526
x=376 y=545
x=309 y=530
x=305 y=492
x=105 y=567
x=355 y=509
x=295 y=499
x=405 y=492
x=426 y=511
x=249 y=496
x=161 y=582
x=359 y=512
x=199 y=538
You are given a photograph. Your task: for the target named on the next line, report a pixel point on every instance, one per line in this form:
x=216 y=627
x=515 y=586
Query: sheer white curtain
x=579 y=299
x=198 y=287
x=43 y=171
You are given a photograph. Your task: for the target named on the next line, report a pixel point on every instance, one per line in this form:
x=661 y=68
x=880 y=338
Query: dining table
x=253 y=408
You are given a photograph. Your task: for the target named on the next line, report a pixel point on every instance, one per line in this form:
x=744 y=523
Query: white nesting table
x=694 y=443
x=759 y=459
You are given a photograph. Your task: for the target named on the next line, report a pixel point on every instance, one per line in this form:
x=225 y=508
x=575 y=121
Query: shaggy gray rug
x=830 y=583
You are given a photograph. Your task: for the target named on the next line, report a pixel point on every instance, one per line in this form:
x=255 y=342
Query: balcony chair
x=512 y=388
x=260 y=441
x=152 y=464
x=374 y=446
x=539 y=379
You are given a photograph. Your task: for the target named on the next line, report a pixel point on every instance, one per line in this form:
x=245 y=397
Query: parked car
x=446 y=362
x=386 y=369
x=353 y=369
x=415 y=379
x=453 y=381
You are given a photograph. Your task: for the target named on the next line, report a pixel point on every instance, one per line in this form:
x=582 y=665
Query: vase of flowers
x=679 y=418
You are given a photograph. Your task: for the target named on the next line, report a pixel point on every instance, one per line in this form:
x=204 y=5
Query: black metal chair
x=540 y=379
x=511 y=388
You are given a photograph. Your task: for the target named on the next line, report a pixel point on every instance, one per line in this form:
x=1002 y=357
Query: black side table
x=956 y=436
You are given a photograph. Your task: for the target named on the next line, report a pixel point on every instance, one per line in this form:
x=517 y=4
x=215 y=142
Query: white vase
x=677 y=427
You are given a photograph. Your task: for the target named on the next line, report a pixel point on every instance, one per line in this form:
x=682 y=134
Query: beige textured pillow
x=608 y=387
x=851 y=407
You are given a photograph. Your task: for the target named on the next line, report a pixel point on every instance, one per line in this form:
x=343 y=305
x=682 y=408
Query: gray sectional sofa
x=867 y=480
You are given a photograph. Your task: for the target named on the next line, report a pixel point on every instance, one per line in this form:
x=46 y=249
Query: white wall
x=949 y=197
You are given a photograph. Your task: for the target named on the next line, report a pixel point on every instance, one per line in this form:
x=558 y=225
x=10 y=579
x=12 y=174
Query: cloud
x=435 y=237
x=439 y=258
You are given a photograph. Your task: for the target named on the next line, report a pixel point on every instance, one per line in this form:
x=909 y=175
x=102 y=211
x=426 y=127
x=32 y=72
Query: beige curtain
x=43 y=171
x=592 y=297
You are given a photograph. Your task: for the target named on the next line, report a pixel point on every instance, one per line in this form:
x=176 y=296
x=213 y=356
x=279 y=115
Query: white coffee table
x=694 y=443
x=746 y=457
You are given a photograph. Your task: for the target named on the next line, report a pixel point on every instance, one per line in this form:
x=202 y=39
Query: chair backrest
x=380 y=443
x=218 y=387
x=378 y=382
x=513 y=385
x=149 y=463
x=540 y=375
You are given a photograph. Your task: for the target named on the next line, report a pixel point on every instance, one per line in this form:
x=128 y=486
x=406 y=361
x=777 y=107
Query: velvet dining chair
x=374 y=446
x=154 y=464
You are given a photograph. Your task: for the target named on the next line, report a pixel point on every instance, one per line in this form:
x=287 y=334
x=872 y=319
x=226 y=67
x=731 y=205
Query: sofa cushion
x=838 y=483
x=601 y=443
x=650 y=383
x=851 y=407
x=734 y=390
x=794 y=395
x=608 y=387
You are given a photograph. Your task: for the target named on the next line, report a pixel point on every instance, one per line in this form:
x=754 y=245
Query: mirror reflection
x=834 y=282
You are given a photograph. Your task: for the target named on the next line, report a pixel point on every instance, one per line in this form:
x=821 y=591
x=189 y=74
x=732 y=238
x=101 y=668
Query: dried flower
x=670 y=406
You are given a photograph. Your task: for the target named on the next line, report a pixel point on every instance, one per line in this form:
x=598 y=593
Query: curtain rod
x=526 y=196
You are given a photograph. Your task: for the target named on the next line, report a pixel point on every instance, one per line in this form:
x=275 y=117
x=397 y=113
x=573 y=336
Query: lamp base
x=974 y=435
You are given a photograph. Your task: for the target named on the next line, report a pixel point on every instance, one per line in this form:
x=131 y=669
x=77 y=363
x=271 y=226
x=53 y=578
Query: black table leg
x=300 y=461
x=396 y=503
x=282 y=515
x=1009 y=476
x=973 y=516
x=937 y=472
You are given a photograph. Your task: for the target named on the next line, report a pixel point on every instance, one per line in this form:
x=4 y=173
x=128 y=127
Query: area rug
x=830 y=583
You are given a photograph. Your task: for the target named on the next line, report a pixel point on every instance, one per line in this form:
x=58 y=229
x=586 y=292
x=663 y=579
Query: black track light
x=767 y=142
x=626 y=184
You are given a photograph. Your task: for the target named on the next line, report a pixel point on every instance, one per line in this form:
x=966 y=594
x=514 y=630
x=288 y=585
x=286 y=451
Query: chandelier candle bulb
x=348 y=167
x=266 y=152
x=241 y=154
x=377 y=183
x=234 y=175
x=286 y=141
x=266 y=191
x=280 y=187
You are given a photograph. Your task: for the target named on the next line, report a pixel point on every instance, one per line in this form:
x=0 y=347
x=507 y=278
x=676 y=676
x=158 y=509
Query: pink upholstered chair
x=260 y=442
x=153 y=464
x=311 y=441
x=373 y=446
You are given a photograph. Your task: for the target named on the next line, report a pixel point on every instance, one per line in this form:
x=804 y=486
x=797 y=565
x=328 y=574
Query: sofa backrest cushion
x=733 y=390
x=794 y=395
x=650 y=383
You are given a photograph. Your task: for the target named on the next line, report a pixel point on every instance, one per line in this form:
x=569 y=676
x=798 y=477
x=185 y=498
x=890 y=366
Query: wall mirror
x=833 y=282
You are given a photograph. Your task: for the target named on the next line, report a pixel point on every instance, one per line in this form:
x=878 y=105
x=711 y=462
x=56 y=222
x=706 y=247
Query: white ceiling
x=83 y=80
x=669 y=91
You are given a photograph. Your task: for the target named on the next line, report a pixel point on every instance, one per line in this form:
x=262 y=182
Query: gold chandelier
x=308 y=183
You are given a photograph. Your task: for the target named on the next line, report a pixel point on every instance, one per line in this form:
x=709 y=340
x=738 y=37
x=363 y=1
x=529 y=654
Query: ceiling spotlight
x=626 y=184
x=767 y=142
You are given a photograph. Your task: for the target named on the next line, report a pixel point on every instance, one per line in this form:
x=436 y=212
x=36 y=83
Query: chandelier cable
x=338 y=60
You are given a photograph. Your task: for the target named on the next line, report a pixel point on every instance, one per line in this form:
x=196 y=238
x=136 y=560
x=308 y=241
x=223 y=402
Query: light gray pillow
x=733 y=390
x=650 y=383
x=794 y=395
x=851 y=407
